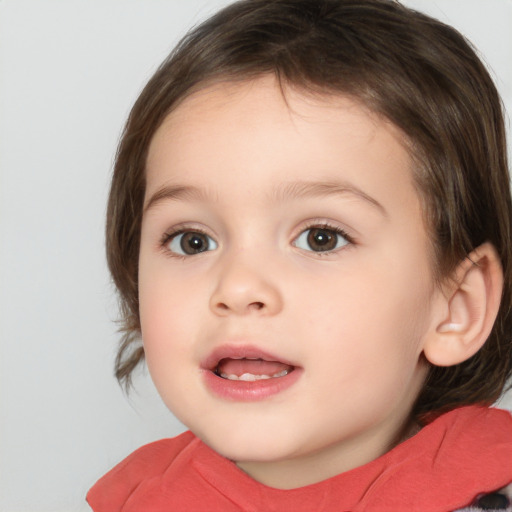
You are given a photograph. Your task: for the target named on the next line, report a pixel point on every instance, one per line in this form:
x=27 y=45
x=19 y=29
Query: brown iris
x=194 y=243
x=321 y=239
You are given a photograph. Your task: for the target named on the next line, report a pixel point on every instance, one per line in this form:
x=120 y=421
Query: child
x=309 y=227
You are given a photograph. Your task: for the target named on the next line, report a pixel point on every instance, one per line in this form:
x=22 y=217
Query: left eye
x=189 y=243
x=319 y=239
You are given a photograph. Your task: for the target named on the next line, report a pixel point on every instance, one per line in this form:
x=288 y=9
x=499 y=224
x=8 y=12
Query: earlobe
x=470 y=304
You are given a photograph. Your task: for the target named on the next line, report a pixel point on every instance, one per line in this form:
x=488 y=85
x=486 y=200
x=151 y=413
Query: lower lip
x=243 y=391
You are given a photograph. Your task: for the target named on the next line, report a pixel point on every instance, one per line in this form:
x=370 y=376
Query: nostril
x=226 y=307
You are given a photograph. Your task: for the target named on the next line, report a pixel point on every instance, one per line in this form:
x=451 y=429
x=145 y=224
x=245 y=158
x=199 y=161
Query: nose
x=244 y=289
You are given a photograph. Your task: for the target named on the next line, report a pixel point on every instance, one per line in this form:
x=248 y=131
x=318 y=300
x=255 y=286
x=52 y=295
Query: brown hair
x=415 y=71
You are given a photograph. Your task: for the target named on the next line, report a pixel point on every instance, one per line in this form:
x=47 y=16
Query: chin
x=248 y=446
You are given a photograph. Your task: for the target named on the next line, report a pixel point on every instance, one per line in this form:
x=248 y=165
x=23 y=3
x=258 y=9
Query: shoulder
x=153 y=458
x=493 y=442
x=157 y=455
x=500 y=500
x=144 y=464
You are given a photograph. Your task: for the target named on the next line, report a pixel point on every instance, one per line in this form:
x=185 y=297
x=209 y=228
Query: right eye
x=188 y=243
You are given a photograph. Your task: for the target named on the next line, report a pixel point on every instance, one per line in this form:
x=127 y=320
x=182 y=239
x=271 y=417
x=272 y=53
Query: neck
x=333 y=460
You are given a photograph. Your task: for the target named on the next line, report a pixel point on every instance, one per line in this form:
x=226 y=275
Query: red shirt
x=444 y=467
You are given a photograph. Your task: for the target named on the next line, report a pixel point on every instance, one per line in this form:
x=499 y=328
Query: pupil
x=321 y=239
x=192 y=243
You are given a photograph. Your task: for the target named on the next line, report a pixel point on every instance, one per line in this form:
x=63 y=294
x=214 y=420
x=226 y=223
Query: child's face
x=291 y=233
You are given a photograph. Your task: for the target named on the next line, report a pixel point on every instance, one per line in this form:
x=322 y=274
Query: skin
x=237 y=162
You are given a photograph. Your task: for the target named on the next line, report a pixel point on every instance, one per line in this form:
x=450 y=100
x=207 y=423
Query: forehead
x=243 y=100
x=255 y=133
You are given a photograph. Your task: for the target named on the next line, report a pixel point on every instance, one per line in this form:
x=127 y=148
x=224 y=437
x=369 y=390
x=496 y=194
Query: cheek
x=164 y=339
x=162 y=293
x=160 y=309
x=370 y=316
x=370 y=344
x=173 y=303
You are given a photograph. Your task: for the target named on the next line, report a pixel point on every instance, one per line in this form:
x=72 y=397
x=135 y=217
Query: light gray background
x=69 y=72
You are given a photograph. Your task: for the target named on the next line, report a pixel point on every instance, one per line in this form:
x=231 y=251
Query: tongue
x=254 y=366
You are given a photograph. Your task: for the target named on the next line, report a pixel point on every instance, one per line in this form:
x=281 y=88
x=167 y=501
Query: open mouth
x=245 y=373
x=251 y=369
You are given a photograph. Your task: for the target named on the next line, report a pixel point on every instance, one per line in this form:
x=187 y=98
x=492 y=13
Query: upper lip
x=240 y=352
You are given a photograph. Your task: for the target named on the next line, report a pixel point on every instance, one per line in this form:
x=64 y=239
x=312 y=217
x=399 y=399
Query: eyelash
x=327 y=227
x=168 y=237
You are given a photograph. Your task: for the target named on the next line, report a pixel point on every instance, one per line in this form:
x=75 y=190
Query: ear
x=466 y=308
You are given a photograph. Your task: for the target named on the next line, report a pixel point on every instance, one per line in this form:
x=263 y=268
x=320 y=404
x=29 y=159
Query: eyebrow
x=175 y=192
x=303 y=189
x=284 y=192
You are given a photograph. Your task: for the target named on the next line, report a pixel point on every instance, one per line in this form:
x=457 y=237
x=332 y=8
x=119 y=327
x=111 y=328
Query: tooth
x=229 y=377
x=249 y=377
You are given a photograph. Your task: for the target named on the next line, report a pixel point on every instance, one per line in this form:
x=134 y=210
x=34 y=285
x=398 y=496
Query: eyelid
x=328 y=226
x=323 y=223
x=181 y=229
